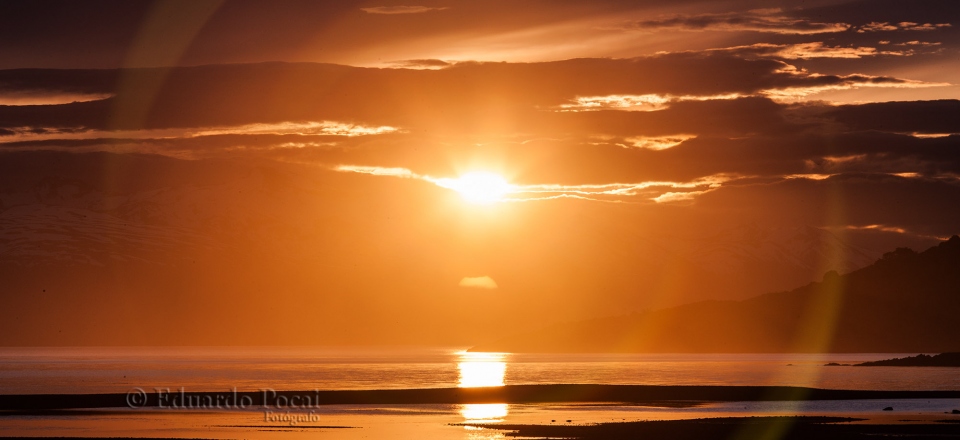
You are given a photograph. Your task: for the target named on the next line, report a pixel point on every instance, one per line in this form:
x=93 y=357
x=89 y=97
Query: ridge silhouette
x=904 y=302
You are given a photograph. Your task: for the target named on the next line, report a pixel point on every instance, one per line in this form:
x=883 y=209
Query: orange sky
x=450 y=172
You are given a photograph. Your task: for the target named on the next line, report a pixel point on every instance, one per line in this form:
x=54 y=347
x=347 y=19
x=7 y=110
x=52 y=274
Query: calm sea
x=119 y=370
x=99 y=370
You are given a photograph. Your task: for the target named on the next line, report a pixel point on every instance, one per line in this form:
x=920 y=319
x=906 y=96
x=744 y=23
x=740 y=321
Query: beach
x=422 y=394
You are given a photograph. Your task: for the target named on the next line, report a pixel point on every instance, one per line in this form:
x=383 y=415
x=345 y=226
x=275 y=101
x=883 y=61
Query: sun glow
x=479 y=187
x=481 y=369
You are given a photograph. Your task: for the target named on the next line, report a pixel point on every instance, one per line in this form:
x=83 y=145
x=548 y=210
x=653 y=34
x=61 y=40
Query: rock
x=889 y=408
x=956 y=411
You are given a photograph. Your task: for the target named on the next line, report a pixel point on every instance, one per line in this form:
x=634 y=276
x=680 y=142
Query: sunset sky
x=448 y=172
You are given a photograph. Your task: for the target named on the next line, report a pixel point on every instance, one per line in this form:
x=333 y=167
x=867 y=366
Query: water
x=430 y=421
x=118 y=370
x=102 y=370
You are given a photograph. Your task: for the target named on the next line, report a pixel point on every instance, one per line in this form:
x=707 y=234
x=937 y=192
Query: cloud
x=610 y=156
x=647 y=103
x=41 y=97
x=809 y=176
x=331 y=128
x=299 y=128
x=876 y=26
x=810 y=50
x=883 y=228
x=639 y=192
x=822 y=83
x=483 y=282
x=761 y=20
x=894 y=230
x=918 y=43
x=455 y=99
x=395 y=10
x=427 y=64
x=658 y=142
x=620 y=192
x=378 y=171
x=567 y=128
x=669 y=197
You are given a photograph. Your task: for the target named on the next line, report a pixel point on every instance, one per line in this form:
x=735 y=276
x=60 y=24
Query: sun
x=480 y=187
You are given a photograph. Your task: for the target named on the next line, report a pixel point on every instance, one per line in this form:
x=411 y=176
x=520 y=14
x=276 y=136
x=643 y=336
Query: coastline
x=509 y=394
x=783 y=428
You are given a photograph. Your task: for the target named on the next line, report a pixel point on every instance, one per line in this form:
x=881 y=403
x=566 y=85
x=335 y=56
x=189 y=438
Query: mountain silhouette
x=920 y=360
x=904 y=302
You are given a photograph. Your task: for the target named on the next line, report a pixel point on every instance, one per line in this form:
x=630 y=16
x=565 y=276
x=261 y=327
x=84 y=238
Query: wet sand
x=486 y=421
x=556 y=411
x=511 y=394
x=742 y=428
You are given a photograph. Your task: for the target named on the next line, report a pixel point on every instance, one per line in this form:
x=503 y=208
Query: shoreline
x=782 y=427
x=509 y=394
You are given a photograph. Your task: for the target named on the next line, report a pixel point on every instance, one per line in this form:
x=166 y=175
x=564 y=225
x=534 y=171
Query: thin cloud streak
x=809 y=176
x=845 y=82
x=379 y=171
x=608 y=192
x=399 y=10
x=875 y=26
x=760 y=20
x=815 y=49
x=647 y=102
x=14 y=98
x=674 y=196
x=331 y=128
x=892 y=229
x=654 y=102
x=308 y=128
x=658 y=143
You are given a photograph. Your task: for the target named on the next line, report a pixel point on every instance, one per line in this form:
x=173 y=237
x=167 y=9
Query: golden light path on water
x=482 y=370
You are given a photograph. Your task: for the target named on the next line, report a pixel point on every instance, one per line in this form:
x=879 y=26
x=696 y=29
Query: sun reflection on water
x=484 y=412
x=482 y=369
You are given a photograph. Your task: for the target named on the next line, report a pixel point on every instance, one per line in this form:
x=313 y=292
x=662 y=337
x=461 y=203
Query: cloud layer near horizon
x=640 y=130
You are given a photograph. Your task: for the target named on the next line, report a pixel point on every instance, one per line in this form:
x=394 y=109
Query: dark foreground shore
x=742 y=428
x=734 y=428
x=634 y=394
